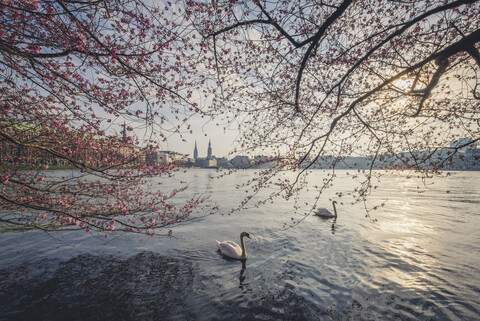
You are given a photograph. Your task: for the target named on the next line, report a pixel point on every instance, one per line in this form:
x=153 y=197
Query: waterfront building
x=167 y=157
x=241 y=161
x=463 y=144
x=151 y=156
x=207 y=162
x=195 y=151
x=223 y=162
x=209 y=150
x=164 y=158
x=472 y=158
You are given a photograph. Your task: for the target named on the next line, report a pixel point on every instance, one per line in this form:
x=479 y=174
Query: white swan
x=323 y=212
x=232 y=249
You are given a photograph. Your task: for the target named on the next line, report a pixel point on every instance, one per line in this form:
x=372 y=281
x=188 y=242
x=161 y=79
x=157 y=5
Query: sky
x=223 y=141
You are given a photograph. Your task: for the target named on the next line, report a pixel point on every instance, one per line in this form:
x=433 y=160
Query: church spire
x=195 y=151
x=209 y=151
x=124 y=132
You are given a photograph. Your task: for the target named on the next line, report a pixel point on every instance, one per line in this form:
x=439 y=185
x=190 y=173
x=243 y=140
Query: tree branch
x=472 y=51
x=313 y=43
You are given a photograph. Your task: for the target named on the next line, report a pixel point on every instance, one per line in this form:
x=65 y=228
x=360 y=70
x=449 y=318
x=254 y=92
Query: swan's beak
x=247 y=235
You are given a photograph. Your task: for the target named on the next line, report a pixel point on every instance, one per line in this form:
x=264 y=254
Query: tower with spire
x=195 y=151
x=124 y=132
x=209 y=150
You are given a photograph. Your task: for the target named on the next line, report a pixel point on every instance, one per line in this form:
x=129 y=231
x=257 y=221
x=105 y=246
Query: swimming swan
x=323 y=212
x=232 y=249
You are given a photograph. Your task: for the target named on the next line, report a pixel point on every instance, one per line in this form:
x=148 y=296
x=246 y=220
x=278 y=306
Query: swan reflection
x=242 y=277
x=334 y=228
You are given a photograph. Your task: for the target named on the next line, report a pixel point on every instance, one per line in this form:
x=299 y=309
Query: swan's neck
x=334 y=209
x=244 y=250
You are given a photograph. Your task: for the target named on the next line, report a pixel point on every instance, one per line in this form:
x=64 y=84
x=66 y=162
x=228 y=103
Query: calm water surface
x=419 y=261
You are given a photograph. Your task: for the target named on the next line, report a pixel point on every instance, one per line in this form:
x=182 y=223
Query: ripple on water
x=88 y=287
x=148 y=286
x=418 y=262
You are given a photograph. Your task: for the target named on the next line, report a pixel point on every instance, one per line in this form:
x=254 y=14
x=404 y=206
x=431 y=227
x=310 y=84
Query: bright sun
x=403 y=84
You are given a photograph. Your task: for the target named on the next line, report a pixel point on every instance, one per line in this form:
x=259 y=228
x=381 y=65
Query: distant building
x=164 y=158
x=140 y=156
x=223 y=162
x=241 y=162
x=151 y=156
x=467 y=156
x=209 y=150
x=263 y=161
x=167 y=157
x=179 y=158
x=208 y=162
x=472 y=158
x=465 y=143
x=124 y=132
x=195 y=151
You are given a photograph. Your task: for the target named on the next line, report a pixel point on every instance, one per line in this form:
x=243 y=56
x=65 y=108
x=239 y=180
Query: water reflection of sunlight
x=407 y=241
x=408 y=185
x=412 y=280
x=406 y=207
x=405 y=224
x=412 y=263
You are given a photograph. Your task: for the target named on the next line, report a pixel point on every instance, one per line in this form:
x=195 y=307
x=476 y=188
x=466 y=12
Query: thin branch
x=386 y=40
x=313 y=43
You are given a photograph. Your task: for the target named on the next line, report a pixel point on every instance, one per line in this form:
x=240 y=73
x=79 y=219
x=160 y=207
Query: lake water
x=419 y=261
